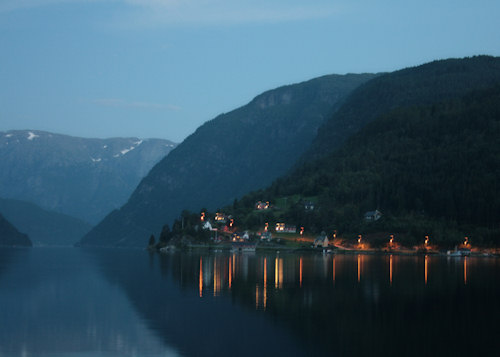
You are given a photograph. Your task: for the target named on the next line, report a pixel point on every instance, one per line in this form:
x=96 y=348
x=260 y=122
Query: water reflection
x=220 y=304
x=53 y=302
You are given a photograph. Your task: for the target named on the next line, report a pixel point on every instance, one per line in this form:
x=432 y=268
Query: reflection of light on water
x=256 y=296
x=426 y=259
x=333 y=267
x=278 y=273
x=217 y=278
x=300 y=271
x=359 y=267
x=200 y=280
x=265 y=282
x=230 y=279
x=465 y=270
x=390 y=269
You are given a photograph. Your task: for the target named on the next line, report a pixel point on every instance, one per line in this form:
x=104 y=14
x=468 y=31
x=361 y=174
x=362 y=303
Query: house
x=220 y=218
x=266 y=236
x=309 y=206
x=284 y=228
x=321 y=241
x=207 y=225
x=262 y=205
x=372 y=216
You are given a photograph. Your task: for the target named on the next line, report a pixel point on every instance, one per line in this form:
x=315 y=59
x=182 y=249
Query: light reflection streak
x=230 y=279
x=265 y=282
x=426 y=259
x=359 y=268
x=200 y=280
x=390 y=269
x=256 y=296
x=215 y=277
x=333 y=267
x=465 y=270
x=300 y=271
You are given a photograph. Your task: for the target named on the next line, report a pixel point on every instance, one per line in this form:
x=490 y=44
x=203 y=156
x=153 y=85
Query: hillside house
x=309 y=206
x=220 y=218
x=284 y=228
x=262 y=205
x=372 y=216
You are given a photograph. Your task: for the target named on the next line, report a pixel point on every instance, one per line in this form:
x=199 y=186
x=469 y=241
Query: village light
x=392 y=239
x=466 y=242
x=231 y=222
x=301 y=231
x=359 y=239
x=202 y=218
x=266 y=227
x=426 y=240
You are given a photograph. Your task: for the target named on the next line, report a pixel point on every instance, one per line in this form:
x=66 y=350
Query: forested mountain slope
x=430 y=169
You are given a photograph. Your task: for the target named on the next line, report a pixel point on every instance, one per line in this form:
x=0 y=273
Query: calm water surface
x=78 y=302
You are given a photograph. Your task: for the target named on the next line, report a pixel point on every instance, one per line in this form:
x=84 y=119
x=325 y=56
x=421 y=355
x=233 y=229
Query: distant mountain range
x=227 y=157
x=10 y=236
x=83 y=178
x=42 y=226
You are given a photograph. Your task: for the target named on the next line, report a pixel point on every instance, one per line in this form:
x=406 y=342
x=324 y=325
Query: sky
x=161 y=68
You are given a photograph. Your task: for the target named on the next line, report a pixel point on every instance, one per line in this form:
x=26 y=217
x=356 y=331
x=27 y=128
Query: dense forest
x=431 y=170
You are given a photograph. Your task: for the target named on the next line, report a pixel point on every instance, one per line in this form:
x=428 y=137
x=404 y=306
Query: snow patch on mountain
x=32 y=135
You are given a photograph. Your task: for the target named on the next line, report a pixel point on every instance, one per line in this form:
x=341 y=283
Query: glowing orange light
x=426 y=240
x=392 y=239
x=231 y=222
x=301 y=231
x=266 y=226
x=466 y=242
x=202 y=218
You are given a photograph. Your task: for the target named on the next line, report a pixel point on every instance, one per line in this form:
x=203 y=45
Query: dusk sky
x=161 y=68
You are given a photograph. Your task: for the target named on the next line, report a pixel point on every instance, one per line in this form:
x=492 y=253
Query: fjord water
x=105 y=302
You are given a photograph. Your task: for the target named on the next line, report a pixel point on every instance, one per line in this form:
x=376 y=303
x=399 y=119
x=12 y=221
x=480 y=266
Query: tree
x=151 y=240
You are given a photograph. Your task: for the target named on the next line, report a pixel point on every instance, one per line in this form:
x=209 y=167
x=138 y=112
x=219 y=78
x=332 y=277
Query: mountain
x=42 y=226
x=431 y=168
x=426 y=84
x=226 y=157
x=83 y=178
x=10 y=236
